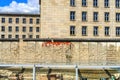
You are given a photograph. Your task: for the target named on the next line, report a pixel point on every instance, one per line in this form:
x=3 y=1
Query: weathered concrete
x=83 y=53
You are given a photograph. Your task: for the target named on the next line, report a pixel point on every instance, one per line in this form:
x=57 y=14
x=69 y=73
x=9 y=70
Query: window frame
x=2 y=36
x=84 y=30
x=24 y=20
x=106 y=3
x=107 y=31
x=72 y=31
x=37 y=21
x=9 y=28
x=3 y=20
x=117 y=31
x=10 y=20
x=2 y=28
x=30 y=36
x=37 y=29
x=24 y=29
x=95 y=3
x=84 y=16
x=37 y=36
x=17 y=20
x=72 y=15
x=106 y=16
x=117 y=17
x=117 y=3
x=31 y=20
x=72 y=3
x=95 y=16
x=30 y=29
x=23 y=36
x=9 y=36
x=95 y=31
x=84 y=3
x=17 y=29
x=17 y=36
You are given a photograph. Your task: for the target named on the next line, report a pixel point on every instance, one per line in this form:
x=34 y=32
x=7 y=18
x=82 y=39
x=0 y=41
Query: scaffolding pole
x=76 y=70
x=34 y=72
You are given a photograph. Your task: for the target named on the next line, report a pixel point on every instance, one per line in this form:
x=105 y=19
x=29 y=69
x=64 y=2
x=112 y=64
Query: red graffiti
x=46 y=44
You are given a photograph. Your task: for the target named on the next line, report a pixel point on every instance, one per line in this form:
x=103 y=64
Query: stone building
x=98 y=19
x=19 y=25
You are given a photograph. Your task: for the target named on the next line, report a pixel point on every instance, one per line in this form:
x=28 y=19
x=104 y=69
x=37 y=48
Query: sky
x=19 y=6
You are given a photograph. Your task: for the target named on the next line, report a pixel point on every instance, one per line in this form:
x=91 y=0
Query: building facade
x=80 y=19
x=15 y=26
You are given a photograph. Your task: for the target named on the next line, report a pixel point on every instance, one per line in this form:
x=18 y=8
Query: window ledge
x=72 y=20
x=85 y=21
x=72 y=35
x=117 y=21
x=96 y=35
x=84 y=6
x=106 y=21
x=117 y=35
x=107 y=7
x=107 y=35
x=84 y=35
x=118 y=7
x=72 y=5
x=95 y=21
x=96 y=6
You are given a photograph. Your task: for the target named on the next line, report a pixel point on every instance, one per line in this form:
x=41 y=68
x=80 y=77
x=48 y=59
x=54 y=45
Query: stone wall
x=83 y=53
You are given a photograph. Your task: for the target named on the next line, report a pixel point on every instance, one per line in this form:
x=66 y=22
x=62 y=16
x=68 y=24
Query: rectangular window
x=95 y=16
x=10 y=28
x=10 y=20
x=37 y=21
x=84 y=16
x=107 y=31
x=24 y=20
x=30 y=36
x=2 y=36
x=117 y=3
x=84 y=30
x=95 y=31
x=72 y=2
x=72 y=15
x=37 y=36
x=72 y=30
x=3 y=20
x=17 y=29
x=17 y=36
x=106 y=16
x=24 y=29
x=30 y=29
x=84 y=3
x=117 y=31
x=117 y=17
x=9 y=36
x=3 y=28
x=95 y=3
x=31 y=20
x=23 y=36
x=106 y=3
x=17 y=20
x=37 y=29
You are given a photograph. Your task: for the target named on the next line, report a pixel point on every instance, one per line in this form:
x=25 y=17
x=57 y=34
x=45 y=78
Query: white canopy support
x=59 y=66
x=34 y=73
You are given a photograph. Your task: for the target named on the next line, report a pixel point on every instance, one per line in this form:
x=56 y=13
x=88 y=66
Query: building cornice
x=20 y=14
x=63 y=40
